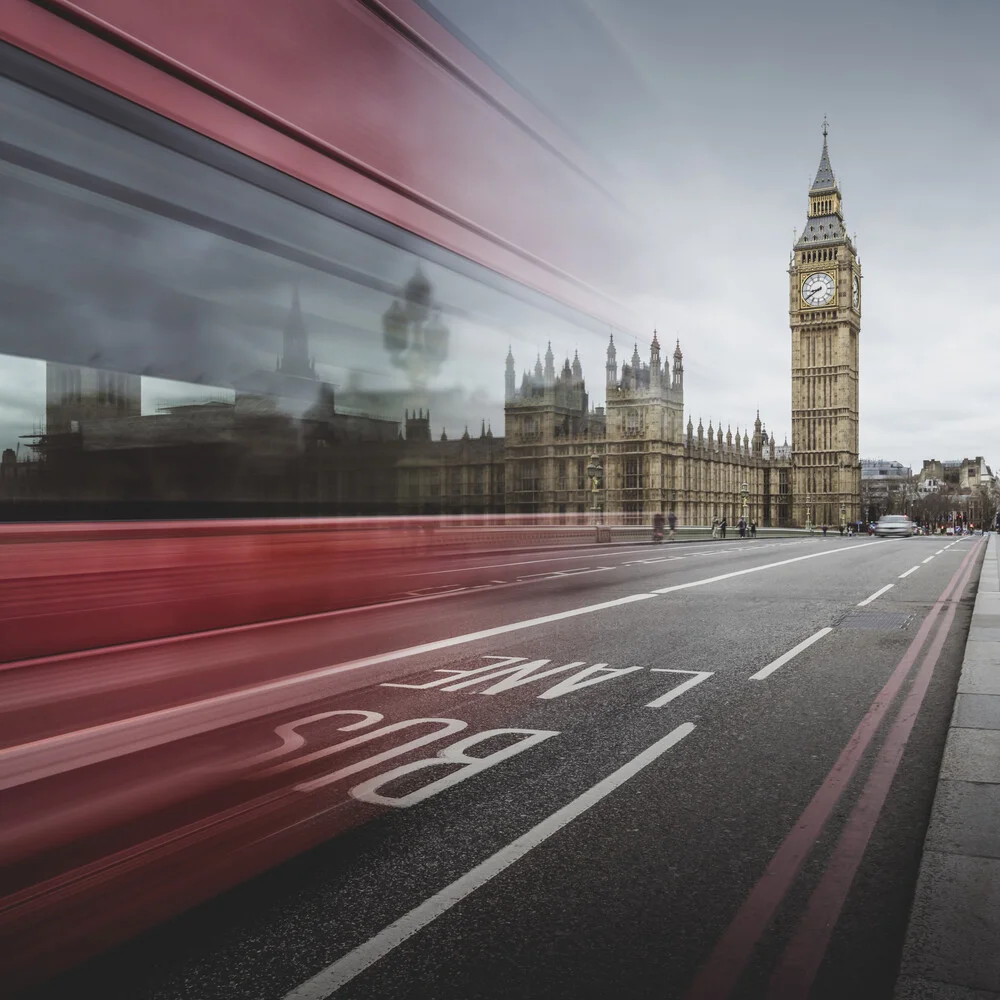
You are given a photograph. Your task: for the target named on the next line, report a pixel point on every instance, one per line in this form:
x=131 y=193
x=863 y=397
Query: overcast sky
x=704 y=120
x=708 y=116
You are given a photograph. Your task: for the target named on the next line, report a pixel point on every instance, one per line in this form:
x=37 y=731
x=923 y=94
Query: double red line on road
x=797 y=968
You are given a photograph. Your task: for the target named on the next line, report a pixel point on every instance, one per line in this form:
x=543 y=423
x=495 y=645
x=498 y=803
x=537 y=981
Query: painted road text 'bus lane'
x=308 y=740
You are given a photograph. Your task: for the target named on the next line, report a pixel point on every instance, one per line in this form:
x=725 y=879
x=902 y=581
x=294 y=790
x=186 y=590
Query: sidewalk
x=952 y=948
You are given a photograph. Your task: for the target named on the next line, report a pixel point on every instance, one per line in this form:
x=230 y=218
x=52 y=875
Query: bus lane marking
x=452 y=755
x=790 y=655
x=510 y=672
x=351 y=965
x=79 y=748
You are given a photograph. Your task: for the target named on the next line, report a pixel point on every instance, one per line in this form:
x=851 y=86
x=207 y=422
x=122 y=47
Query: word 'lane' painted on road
x=509 y=672
x=455 y=757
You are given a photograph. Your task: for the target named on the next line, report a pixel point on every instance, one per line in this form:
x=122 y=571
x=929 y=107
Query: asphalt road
x=552 y=775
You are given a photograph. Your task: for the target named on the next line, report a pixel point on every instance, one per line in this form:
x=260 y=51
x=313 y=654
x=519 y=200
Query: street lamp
x=843 y=517
x=809 y=501
x=744 y=493
x=595 y=471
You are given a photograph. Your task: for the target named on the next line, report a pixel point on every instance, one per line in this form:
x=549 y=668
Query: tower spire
x=825 y=180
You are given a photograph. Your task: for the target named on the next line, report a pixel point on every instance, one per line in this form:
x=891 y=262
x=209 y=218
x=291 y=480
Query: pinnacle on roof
x=577 y=367
x=677 y=350
x=510 y=354
x=825 y=181
x=612 y=353
x=635 y=356
x=656 y=342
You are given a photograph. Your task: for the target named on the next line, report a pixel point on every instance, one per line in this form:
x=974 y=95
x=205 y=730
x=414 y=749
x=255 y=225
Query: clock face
x=817 y=289
x=856 y=292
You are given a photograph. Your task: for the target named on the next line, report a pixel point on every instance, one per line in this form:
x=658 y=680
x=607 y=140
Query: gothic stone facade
x=650 y=463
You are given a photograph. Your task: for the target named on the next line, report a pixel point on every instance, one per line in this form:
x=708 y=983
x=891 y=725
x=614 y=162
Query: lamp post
x=595 y=471
x=843 y=518
x=744 y=493
x=809 y=501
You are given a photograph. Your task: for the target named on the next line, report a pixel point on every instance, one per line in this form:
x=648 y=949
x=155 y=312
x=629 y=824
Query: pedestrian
x=824 y=531
x=753 y=529
x=672 y=522
x=715 y=527
x=722 y=526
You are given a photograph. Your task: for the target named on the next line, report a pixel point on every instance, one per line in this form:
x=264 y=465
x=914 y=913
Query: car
x=894 y=524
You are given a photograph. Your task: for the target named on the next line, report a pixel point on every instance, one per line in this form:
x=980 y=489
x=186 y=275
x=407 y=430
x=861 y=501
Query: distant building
x=957 y=475
x=877 y=468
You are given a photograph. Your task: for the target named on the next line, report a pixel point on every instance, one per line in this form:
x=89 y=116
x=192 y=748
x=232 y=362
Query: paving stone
x=985 y=620
x=984 y=634
x=977 y=711
x=971 y=755
x=955 y=922
x=964 y=819
x=980 y=669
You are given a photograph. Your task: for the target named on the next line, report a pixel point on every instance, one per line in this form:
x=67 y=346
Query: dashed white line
x=791 y=654
x=758 y=569
x=939 y=551
x=878 y=593
x=80 y=748
x=928 y=559
x=341 y=972
x=912 y=569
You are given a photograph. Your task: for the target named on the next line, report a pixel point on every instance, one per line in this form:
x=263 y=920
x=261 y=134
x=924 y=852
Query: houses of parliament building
x=287 y=443
x=652 y=462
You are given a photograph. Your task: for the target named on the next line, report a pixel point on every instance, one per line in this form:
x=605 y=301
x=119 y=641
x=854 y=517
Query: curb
x=951 y=948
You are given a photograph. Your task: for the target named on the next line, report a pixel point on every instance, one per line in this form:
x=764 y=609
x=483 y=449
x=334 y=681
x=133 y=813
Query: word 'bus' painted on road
x=510 y=672
x=455 y=756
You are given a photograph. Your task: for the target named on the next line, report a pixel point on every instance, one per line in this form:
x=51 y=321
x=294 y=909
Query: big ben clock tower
x=825 y=317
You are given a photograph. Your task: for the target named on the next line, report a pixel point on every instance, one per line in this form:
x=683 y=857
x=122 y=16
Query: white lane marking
x=912 y=569
x=791 y=654
x=603 y=552
x=928 y=559
x=43 y=758
x=878 y=593
x=699 y=676
x=939 y=551
x=758 y=569
x=341 y=972
x=68 y=751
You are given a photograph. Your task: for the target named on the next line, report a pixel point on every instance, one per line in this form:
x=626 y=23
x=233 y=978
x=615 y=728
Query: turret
x=550 y=367
x=509 y=383
x=577 y=367
x=655 y=370
x=711 y=434
x=701 y=434
x=678 y=381
x=611 y=368
x=690 y=430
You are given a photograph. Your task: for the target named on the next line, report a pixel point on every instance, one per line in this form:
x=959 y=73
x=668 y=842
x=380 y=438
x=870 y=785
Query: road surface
x=696 y=771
